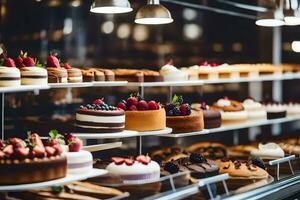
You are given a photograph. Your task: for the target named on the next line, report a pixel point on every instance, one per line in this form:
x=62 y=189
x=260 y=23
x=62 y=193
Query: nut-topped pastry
x=212 y=118
x=181 y=118
x=56 y=74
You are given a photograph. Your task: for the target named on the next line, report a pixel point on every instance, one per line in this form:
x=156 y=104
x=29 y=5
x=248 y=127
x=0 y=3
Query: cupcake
x=255 y=109
x=171 y=73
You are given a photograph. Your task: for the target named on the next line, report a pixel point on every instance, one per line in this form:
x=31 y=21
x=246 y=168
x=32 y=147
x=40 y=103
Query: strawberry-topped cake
x=56 y=73
x=131 y=170
x=181 y=118
x=30 y=161
x=32 y=72
x=74 y=74
x=99 y=117
x=9 y=75
x=142 y=115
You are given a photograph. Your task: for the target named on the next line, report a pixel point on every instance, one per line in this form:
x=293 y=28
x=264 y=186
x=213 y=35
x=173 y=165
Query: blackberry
x=258 y=162
x=89 y=106
x=197 y=158
x=188 y=109
x=176 y=111
x=171 y=168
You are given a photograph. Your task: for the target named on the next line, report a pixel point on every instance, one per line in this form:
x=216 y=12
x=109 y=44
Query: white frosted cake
x=269 y=150
x=171 y=73
x=79 y=162
x=255 y=109
x=34 y=76
x=142 y=169
x=9 y=76
x=293 y=108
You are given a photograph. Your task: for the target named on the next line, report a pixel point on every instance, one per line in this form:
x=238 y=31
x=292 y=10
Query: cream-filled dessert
x=255 y=109
x=74 y=74
x=171 y=73
x=275 y=110
x=100 y=118
x=140 y=169
x=207 y=71
x=56 y=74
x=268 y=151
x=293 y=108
x=9 y=75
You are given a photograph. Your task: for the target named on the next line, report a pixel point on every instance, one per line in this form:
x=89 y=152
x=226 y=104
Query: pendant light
x=111 y=6
x=153 y=14
x=273 y=17
x=291 y=12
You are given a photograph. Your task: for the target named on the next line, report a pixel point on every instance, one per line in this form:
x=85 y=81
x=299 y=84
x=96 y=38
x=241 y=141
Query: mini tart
x=14 y=171
x=233 y=107
x=148 y=120
x=88 y=75
x=74 y=75
x=57 y=75
x=186 y=124
x=9 y=77
x=99 y=121
x=34 y=76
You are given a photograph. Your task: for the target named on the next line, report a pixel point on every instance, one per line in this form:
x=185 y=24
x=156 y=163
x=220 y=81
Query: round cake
x=136 y=170
x=275 y=111
x=79 y=162
x=34 y=76
x=9 y=75
x=212 y=118
x=255 y=109
x=100 y=118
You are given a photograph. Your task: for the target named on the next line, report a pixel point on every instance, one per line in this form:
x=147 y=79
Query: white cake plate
x=68 y=179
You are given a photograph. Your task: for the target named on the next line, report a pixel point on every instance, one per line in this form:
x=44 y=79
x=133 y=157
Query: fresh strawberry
x=144 y=159
x=98 y=102
x=75 y=145
x=39 y=151
x=185 y=109
x=58 y=149
x=8 y=150
x=129 y=162
x=52 y=61
x=19 y=62
x=132 y=101
x=118 y=160
x=8 y=62
x=28 y=62
x=67 y=66
x=2 y=154
x=122 y=106
x=36 y=140
x=69 y=137
x=53 y=142
x=21 y=152
x=152 y=105
x=17 y=142
x=2 y=144
x=132 y=108
x=142 y=105
x=50 y=151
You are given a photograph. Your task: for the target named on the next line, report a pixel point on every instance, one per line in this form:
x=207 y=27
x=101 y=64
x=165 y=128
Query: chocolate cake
x=212 y=118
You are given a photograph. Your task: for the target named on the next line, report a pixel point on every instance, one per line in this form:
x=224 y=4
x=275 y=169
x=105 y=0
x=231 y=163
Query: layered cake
x=142 y=115
x=254 y=109
x=275 y=110
x=171 y=73
x=56 y=74
x=140 y=169
x=129 y=75
x=268 y=151
x=231 y=111
x=74 y=74
x=100 y=118
x=30 y=161
x=32 y=72
x=209 y=149
x=212 y=118
x=9 y=75
x=88 y=75
x=181 y=118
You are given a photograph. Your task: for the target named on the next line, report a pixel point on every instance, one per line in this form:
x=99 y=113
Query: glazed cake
x=100 y=118
x=142 y=115
x=275 y=110
x=140 y=169
x=171 y=73
x=56 y=74
x=74 y=74
x=254 y=109
x=212 y=118
x=30 y=162
x=181 y=118
x=9 y=75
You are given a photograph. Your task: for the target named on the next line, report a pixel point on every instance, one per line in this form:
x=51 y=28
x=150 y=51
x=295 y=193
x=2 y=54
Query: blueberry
x=176 y=111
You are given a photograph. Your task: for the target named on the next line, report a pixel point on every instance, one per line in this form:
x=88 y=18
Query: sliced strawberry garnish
x=129 y=162
x=39 y=151
x=17 y=142
x=75 y=145
x=98 y=101
x=8 y=62
x=52 y=61
x=67 y=66
x=50 y=151
x=21 y=152
x=36 y=140
x=144 y=159
x=118 y=160
x=58 y=149
x=8 y=150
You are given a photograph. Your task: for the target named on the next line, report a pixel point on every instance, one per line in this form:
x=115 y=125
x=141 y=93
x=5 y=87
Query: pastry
x=140 y=169
x=275 y=110
x=99 y=75
x=142 y=115
x=30 y=162
x=109 y=74
x=212 y=118
x=88 y=75
x=100 y=118
x=254 y=109
x=171 y=73
x=290 y=149
x=181 y=118
x=74 y=74
x=209 y=149
x=152 y=76
x=231 y=111
x=268 y=151
x=9 y=75
x=129 y=75
x=56 y=74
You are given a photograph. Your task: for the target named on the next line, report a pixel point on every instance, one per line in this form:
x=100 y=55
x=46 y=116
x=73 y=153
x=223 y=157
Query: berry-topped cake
x=142 y=115
x=140 y=169
x=32 y=71
x=56 y=74
x=30 y=161
x=9 y=74
x=99 y=117
x=181 y=118
x=212 y=118
x=74 y=74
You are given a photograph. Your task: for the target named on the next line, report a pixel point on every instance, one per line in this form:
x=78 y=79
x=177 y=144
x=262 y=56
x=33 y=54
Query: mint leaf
x=53 y=134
